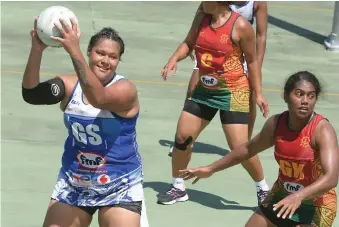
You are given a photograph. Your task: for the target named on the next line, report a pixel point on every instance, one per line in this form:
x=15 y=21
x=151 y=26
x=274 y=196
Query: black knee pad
x=183 y=146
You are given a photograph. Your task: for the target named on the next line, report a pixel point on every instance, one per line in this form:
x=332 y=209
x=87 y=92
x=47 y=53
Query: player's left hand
x=288 y=205
x=192 y=56
x=70 y=36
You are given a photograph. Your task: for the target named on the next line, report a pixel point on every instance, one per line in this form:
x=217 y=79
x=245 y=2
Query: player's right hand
x=37 y=44
x=198 y=173
x=263 y=105
x=170 y=66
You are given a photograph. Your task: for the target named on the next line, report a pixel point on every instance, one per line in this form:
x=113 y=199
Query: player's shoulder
x=272 y=122
x=68 y=78
x=241 y=22
x=69 y=81
x=123 y=84
x=324 y=125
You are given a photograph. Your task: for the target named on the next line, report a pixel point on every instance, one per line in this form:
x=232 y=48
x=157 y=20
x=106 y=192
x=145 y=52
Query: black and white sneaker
x=261 y=195
x=172 y=196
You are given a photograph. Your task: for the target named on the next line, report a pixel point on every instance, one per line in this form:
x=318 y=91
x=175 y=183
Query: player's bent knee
x=182 y=143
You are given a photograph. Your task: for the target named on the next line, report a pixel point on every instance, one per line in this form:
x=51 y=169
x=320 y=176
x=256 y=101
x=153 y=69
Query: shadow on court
x=310 y=35
x=202 y=198
x=199 y=148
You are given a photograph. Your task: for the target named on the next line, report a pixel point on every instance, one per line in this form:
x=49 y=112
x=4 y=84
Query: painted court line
x=153 y=82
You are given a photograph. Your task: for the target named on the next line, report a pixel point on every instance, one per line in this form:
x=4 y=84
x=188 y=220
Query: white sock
x=179 y=183
x=262 y=185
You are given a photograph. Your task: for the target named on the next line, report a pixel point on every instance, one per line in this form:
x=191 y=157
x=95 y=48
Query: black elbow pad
x=46 y=93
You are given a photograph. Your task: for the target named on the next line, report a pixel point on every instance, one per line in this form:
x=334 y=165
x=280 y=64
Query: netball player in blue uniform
x=101 y=166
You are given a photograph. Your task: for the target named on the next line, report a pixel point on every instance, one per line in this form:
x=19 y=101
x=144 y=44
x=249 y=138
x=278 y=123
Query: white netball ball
x=47 y=20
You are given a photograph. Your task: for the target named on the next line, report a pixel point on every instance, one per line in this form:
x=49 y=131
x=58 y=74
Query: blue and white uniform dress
x=247 y=11
x=101 y=165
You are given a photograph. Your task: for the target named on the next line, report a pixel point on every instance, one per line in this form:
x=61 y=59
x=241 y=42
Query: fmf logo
x=91 y=160
x=292 y=187
x=209 y=81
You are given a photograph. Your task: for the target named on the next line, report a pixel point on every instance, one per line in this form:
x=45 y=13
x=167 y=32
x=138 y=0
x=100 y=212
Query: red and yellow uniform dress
x=299 y=166
x=223 y=83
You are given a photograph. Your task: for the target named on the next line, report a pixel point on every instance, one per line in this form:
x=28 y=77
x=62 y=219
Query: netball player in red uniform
x=220 y=38
x=306 y=150
x=249 y=10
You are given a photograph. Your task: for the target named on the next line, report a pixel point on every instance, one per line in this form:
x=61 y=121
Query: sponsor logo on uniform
x=292 y=187
x=103 y=179
x=80 y=180
x=305 y=142
x=75 y=102
x=209 y=81
x=91 y=160
x=91 y=171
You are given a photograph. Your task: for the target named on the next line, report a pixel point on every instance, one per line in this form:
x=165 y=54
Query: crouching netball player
x=101 y=166
x=306 y=150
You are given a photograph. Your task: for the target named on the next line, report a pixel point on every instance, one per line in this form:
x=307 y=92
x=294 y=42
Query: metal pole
x=332 y=41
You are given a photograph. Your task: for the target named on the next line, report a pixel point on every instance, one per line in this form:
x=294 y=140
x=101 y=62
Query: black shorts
x=131 y=206
x=207 y=113
x=272 y=216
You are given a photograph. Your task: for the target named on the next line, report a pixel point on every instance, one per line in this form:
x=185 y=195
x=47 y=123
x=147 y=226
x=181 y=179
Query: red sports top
x=215 y=51
x=299 y=166
x=223 y=83
x=294 y=152
x=299 y=162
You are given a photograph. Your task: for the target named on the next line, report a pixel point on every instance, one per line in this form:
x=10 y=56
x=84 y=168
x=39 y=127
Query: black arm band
x=45 y=93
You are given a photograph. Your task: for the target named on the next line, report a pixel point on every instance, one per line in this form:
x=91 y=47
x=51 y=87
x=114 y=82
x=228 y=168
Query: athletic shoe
x=261 y=195
x=172 y=196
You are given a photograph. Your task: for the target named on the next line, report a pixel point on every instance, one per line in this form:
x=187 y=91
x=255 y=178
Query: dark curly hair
x=297 y=77
x=107 y=33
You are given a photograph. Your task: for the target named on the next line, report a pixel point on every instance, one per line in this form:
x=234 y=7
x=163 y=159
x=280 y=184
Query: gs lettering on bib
x=86 y=134
x=93 y=132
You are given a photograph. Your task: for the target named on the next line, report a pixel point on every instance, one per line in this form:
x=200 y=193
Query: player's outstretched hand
x=198 y=173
